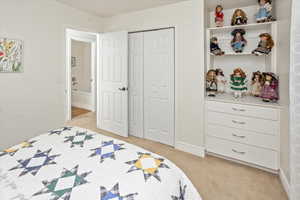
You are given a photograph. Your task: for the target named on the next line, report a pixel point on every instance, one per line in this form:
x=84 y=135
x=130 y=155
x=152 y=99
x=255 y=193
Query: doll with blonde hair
x=239 y=17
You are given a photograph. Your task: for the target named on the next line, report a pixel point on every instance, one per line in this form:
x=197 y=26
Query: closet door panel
x=159 y=86
x=136 y=84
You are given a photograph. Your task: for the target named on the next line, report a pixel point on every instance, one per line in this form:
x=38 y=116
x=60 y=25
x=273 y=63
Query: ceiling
x=107 y=8
x=211 y=4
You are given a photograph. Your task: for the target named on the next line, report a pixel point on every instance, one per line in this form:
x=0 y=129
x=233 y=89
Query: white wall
x=283 y=13
x=295 y=103
x=189 y=36
x=33 y=102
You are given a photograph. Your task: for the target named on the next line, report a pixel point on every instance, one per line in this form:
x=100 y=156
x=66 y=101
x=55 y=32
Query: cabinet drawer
x=244 y=110
x=242 y=136
x=244 y=123
x=250 y=154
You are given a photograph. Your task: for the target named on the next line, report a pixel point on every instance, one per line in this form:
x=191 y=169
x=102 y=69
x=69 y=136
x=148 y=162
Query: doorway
x=135 y=82
x=81 y=70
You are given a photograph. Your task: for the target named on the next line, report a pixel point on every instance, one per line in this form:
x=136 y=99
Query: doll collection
x=239 y=42
x=262 y=85
x=239 y=17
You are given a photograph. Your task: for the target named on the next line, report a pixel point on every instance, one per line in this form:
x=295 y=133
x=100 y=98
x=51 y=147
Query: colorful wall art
x=11 y=52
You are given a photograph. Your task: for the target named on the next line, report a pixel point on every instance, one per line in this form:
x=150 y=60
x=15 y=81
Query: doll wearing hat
x=238 y=42
x=211 y=83
x=270 y=87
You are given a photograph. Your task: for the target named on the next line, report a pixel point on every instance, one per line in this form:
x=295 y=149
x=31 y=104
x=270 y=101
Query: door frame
x=176 y=73
x=93 y=38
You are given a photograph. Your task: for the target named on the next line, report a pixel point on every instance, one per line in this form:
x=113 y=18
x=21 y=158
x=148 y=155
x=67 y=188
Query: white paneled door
x=159 y=72
x=136 y=84
x=113 y=83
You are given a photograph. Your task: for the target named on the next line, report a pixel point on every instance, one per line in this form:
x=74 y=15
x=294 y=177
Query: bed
x=73 y=163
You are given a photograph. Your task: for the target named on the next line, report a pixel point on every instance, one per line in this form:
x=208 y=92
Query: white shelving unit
x=246 y=130
x=247 y=26
x=252 y=63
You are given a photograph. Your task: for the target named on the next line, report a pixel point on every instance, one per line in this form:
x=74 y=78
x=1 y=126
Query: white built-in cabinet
x=246 y=130
x=151 y=85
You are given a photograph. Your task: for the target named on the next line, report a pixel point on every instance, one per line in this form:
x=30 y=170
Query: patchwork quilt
x=72 y=163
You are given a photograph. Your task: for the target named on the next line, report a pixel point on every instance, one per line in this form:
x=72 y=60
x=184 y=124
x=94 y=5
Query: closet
x=151 y=85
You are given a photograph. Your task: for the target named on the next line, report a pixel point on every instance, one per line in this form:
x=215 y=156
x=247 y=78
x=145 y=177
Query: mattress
x=73 y=163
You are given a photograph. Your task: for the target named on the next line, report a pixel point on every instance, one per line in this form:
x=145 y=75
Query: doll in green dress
x=238 y=82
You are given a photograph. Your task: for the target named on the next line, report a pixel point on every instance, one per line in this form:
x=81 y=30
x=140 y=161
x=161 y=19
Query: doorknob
x=123 y=88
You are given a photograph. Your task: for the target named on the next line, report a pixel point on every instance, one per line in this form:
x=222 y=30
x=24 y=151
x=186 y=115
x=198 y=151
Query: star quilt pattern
x=148 y=164
x=72 y=163
x=34 y=164
x=107 y=150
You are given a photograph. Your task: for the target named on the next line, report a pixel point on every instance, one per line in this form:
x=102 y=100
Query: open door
x=113 y=83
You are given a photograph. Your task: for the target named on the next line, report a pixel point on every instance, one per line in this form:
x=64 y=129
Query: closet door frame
x=176 y=74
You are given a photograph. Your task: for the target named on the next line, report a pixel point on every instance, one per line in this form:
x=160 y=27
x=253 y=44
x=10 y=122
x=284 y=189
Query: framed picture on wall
x=73 y=61
x=11 y=55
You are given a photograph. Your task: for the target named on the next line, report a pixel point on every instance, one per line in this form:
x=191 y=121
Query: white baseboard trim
x=84 y=106
x=190 y=148
x=285 y=182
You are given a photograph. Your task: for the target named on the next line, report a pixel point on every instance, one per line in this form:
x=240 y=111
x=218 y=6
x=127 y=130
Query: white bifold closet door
x=136 y=84
x=151 y=77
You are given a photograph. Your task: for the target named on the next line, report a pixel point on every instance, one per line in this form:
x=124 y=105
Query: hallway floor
x=78 y=111
x=215 y=178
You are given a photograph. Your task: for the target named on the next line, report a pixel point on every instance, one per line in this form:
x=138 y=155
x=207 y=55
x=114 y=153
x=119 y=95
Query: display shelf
x=238 y=54
x=246 y=100
x=246 y=26
x=246 y=60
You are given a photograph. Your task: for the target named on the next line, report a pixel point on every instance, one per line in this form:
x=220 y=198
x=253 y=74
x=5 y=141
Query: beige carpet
x=215 y=178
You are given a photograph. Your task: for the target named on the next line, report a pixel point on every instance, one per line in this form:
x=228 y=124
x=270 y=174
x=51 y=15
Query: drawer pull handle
x=239 y=110
x=238 y=136
x=238 y=152
x=237 y=122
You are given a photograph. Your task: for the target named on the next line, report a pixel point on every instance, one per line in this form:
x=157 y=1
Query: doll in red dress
x=219 y=16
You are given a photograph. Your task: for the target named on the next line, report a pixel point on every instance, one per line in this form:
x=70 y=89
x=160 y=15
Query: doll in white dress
x=256 y=85
x=221 y=81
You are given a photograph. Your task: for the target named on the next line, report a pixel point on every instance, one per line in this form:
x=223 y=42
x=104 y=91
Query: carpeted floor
x=215 y=178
